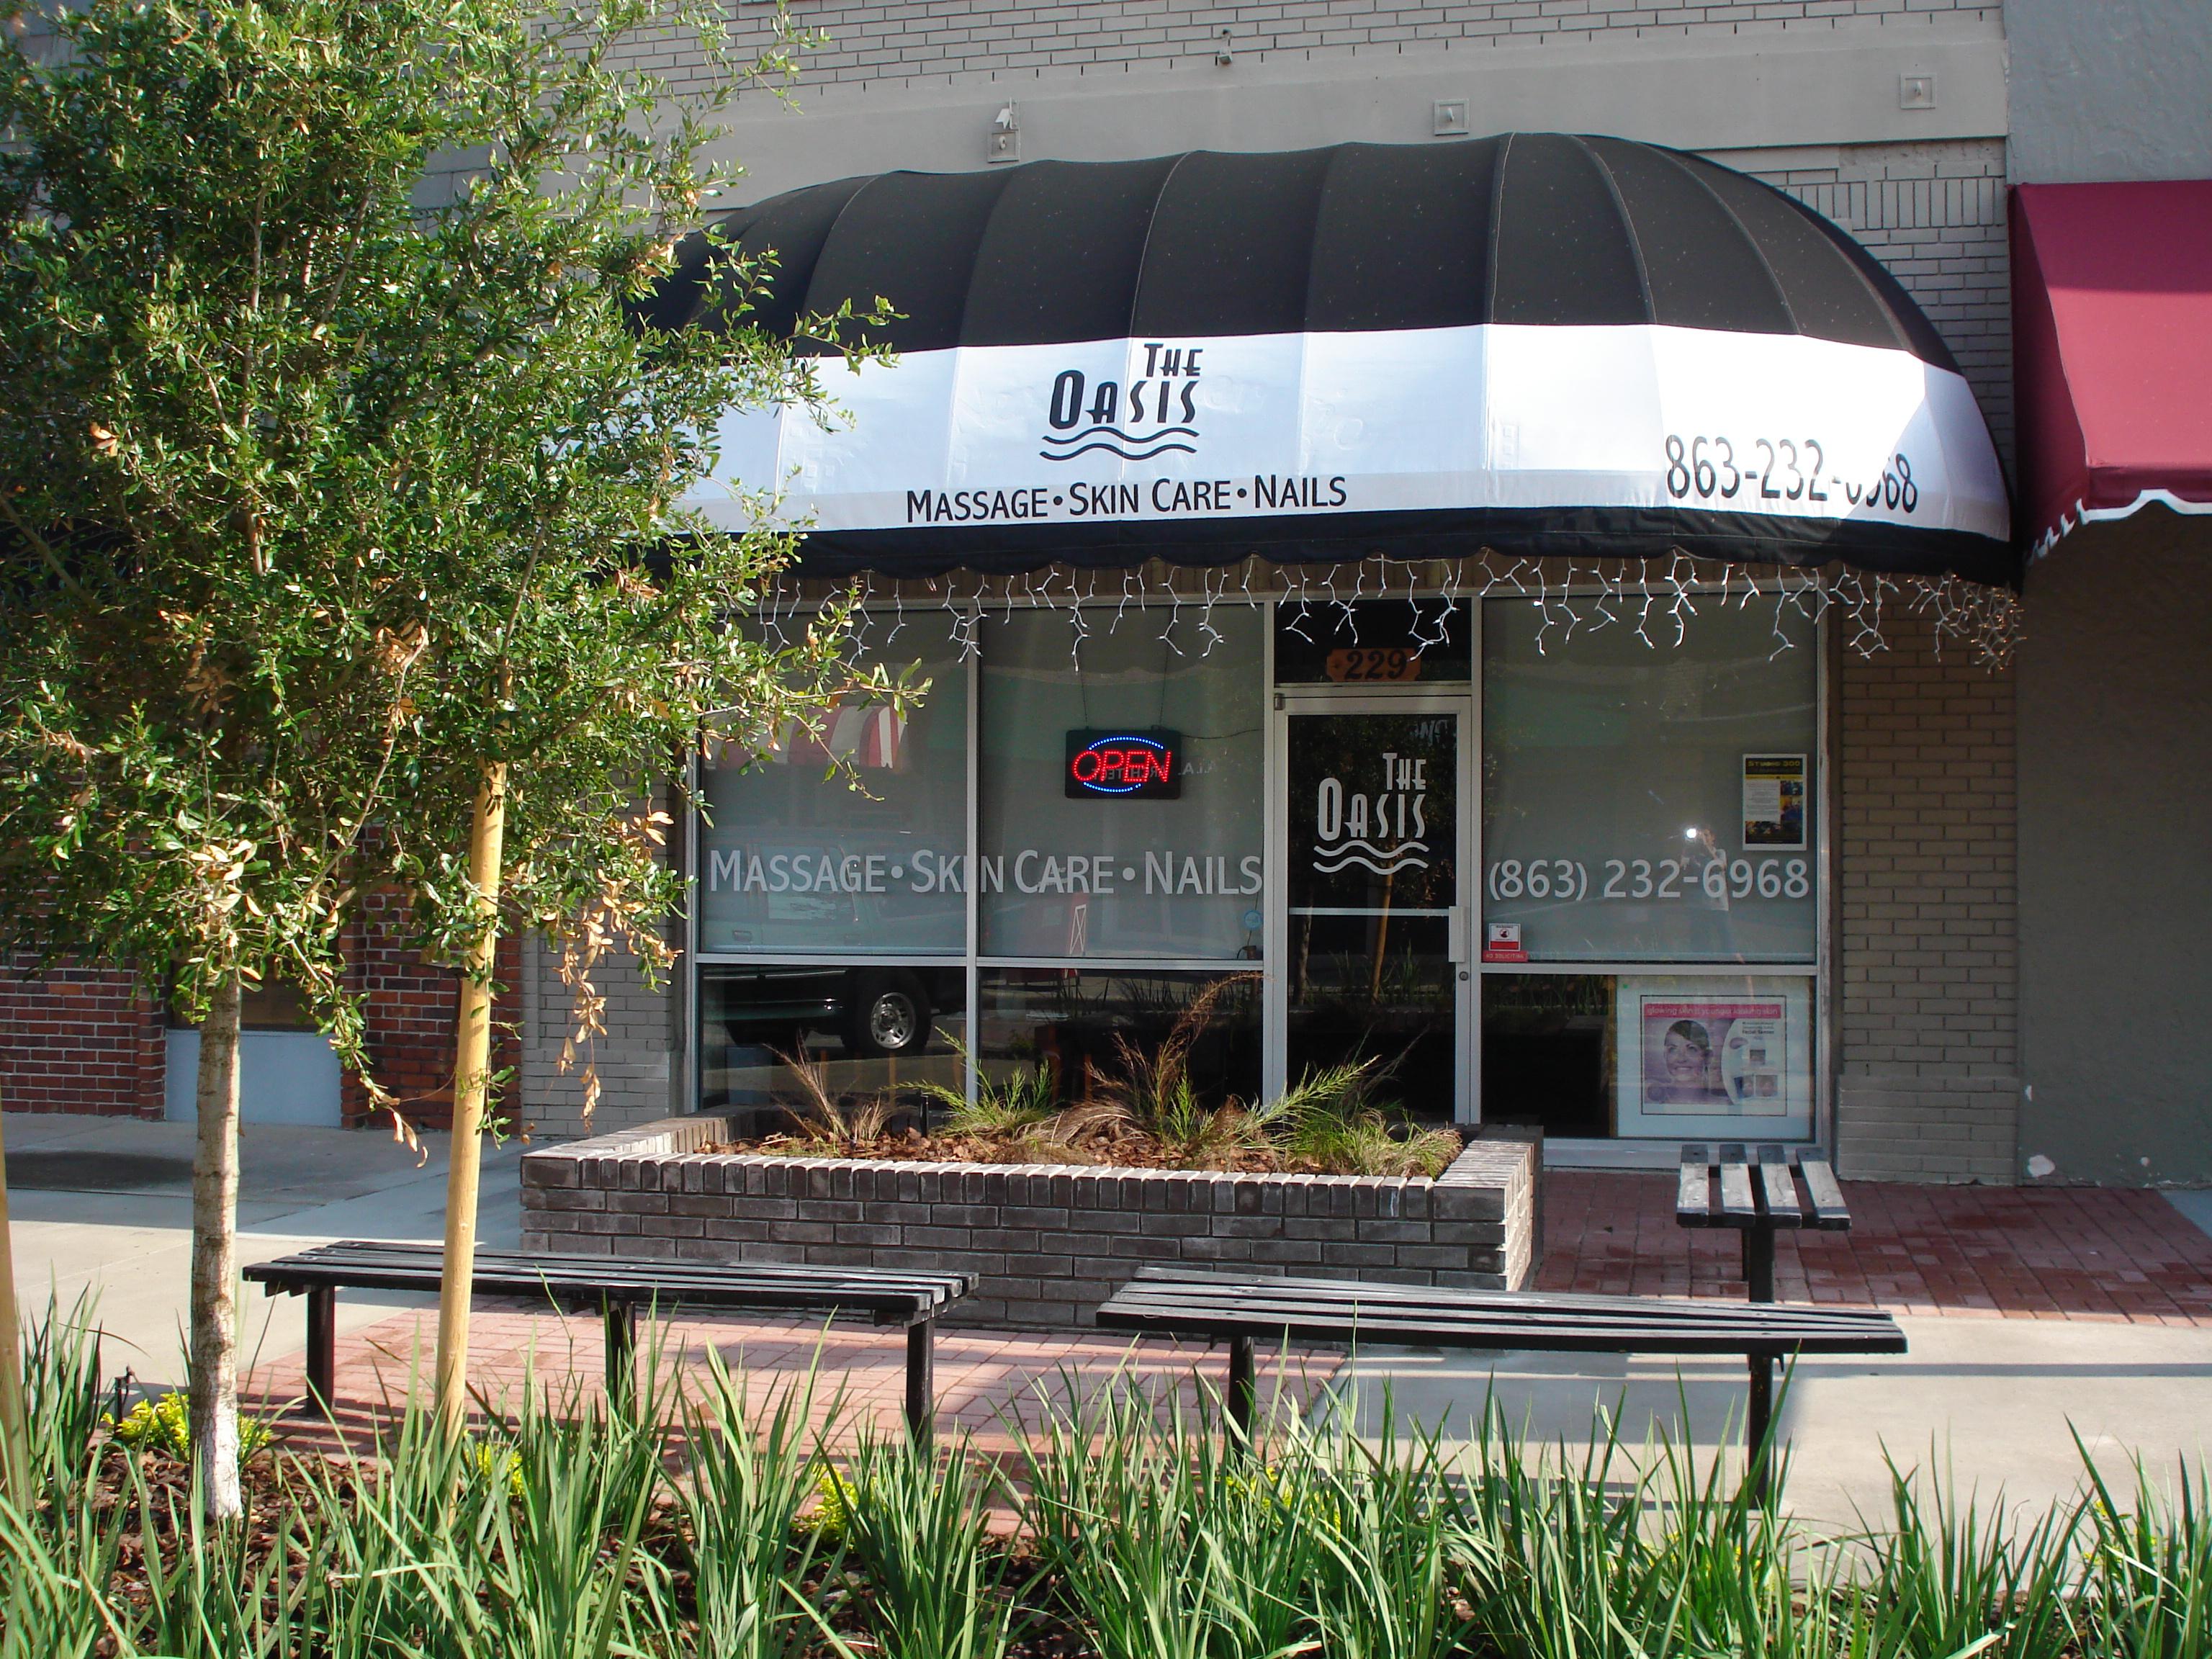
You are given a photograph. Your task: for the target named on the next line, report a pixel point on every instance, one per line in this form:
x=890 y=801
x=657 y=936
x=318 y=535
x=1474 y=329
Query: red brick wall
x=89 y=1039
x=412 y=1004
x=79 y=1039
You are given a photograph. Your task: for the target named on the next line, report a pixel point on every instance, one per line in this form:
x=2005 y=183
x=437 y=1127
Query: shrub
x=164 y=1425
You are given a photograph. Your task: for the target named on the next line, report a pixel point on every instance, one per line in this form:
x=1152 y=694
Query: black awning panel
x=1701 y=267
x=1527 y=228
x=1829 y=296
x=912 y=238
x=1402 y=238
x=1062 y=252
x=1231 y=246
x=1564 y=254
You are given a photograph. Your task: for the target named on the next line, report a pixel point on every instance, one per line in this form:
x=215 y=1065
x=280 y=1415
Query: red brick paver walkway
x=989 y=1383
x=2017 y=1252
x=2009 y=1252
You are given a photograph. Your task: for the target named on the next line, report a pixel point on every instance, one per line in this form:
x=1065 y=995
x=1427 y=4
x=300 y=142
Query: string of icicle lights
x=1653 y=599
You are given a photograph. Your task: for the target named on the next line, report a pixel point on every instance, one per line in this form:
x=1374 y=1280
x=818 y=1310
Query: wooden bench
x=616 y=1289
x=1757 y=1191
x=1240 y=1310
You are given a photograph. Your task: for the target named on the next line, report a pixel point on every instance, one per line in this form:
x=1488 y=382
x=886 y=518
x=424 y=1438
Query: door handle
x=1456 y=932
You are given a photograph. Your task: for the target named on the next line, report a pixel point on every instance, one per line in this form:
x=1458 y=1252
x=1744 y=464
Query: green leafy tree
x=336 y=494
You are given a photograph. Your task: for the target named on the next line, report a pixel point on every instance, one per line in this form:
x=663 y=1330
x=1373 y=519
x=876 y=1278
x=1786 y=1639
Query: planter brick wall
x=1051 y=1241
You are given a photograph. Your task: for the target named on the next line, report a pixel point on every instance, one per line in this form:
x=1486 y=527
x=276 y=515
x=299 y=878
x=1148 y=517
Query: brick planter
x=1051 y=1240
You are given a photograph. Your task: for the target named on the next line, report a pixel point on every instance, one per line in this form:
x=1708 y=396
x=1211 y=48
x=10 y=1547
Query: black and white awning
x=1536 y=343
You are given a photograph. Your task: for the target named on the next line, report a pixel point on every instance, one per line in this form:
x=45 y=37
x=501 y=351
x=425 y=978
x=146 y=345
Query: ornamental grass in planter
x=695 y=1526
x=1144 y=1109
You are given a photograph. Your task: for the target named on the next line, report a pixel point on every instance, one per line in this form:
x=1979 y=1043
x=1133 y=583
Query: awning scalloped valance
x=1535 y=343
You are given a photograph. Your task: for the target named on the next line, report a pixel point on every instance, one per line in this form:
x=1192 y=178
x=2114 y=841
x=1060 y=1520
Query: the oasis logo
x=1383 y=833
x=1159 y=414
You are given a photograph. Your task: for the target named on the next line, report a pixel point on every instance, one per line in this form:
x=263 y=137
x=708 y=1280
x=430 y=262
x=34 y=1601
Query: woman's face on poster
x=1685 y=1060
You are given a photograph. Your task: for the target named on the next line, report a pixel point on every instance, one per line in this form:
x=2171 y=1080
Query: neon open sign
x=1144 y=765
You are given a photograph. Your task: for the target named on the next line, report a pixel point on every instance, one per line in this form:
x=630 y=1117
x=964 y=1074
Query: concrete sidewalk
x=1991 y=1403
x=104 y=1206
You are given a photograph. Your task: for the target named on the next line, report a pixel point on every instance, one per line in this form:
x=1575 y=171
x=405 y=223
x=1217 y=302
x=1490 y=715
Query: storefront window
x=795 y=858
x=1074 y=1024
x=1121 y=787
x=1647 y=803
x=1673 y=1056
x=866 y=1033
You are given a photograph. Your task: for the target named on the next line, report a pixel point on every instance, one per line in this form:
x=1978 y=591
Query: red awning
x=2112 y=328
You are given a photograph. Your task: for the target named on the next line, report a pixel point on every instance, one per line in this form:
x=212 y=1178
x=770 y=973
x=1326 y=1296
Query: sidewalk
x=104 y=1204
x=2031 y=1313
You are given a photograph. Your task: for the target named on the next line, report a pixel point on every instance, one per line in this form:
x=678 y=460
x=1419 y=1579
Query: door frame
x=1464 y=705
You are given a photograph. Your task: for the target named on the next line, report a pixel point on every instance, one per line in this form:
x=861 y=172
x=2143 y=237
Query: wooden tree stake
x=472 y=1085
x=14 y=1449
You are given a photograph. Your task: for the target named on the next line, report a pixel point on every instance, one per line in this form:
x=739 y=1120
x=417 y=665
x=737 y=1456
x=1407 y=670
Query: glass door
x=1375 y=965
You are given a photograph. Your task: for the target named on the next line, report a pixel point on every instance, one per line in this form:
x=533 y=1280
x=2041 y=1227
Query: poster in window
x=1713 y=1056
x=1708 y=1056
x=1774 y=801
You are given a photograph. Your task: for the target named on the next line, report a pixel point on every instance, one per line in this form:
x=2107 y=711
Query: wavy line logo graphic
x=1158 y=414
x=1126 y=437
x=1383 y=861
x=1112 y=448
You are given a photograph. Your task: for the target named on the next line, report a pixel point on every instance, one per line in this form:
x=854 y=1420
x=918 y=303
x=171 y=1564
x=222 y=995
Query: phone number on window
x=1644 y=879
x=1788 y=469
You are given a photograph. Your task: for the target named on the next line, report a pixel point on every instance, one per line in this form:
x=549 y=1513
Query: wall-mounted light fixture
x=1004 y=141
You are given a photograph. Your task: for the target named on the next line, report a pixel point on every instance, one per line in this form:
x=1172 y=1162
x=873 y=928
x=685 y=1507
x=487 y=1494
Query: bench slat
x=1408 y=1298
x=611 y=1270
x=1829 y=1212
x=1778 y=1191
x=1736 y=1201
x=584 y=1282
x=1376 y=1316
x=1196 y=1303
x=401 y=1276
x=1509 y=1338
x=1610 y=1325
x=1693 y=1190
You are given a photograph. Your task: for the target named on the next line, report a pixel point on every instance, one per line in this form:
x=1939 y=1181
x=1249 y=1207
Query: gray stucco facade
x=2116 y=908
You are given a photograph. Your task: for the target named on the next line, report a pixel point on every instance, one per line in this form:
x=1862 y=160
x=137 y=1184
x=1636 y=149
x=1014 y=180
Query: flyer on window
x=1774 y=801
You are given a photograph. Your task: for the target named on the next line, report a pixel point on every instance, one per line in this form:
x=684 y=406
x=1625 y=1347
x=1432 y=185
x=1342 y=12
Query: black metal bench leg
x=1243 y=1391
x=1758 y=1263
x=1758 y=1425
x=922 y=1381
x=622 y=1354
x=322 y=1346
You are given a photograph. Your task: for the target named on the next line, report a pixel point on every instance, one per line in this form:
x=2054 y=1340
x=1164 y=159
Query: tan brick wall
x=1928 y=985
x=640 y=1068
x=954 y=41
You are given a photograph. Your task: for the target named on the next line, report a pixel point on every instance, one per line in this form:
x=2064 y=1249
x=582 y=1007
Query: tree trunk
x=15 y=1450
x=215 y=1259
x=472 y=1085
